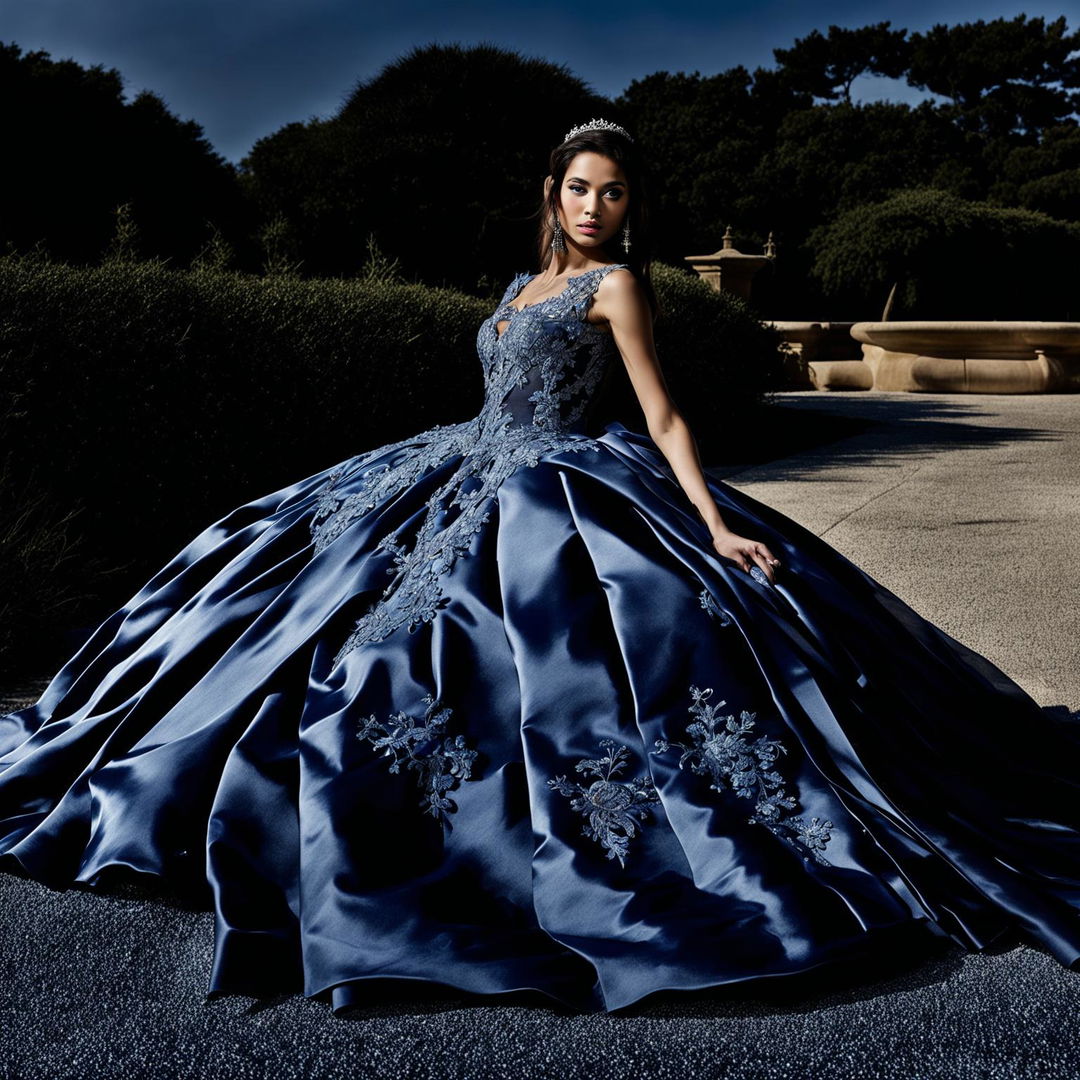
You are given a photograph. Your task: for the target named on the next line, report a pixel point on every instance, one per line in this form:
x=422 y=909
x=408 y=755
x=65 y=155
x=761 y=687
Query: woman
x=612 y=727
x=592 y=207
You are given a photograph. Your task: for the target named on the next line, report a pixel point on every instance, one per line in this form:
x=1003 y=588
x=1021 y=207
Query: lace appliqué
x=335 y=512
x=549 y=344
x=440 y=761
x=708 y=602
x=613 y=807
x=720 y=748
x=759 y=575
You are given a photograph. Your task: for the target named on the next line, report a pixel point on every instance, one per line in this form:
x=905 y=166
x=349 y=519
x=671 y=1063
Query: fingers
x=766 y=560
x=746 y=554
x=760 y=550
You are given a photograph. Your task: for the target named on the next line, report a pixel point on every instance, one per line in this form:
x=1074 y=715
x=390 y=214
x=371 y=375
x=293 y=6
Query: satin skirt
x=612 y=763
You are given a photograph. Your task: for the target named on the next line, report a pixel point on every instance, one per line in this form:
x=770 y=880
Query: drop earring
x=626 y=237
x=558 y=244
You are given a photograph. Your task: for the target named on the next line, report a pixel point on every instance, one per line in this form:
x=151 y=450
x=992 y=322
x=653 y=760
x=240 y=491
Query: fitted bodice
x=541 y=374
x=545 y=367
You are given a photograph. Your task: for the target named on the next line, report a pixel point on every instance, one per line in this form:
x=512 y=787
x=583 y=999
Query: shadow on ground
x=791 y=426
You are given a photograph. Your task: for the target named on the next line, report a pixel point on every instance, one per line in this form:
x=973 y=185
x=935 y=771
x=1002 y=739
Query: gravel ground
x=113 y=985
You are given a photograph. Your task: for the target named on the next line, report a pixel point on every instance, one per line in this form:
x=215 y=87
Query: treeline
x=438 y=160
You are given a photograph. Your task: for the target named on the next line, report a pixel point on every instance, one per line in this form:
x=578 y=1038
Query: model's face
x=593 y=200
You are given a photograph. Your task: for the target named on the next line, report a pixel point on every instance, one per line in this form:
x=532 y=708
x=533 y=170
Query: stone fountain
x=974 y=357
x=986 y=357
x=730 y=270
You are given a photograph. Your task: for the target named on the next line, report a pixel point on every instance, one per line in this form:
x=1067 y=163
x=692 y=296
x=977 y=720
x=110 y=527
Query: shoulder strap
x=579 y=293
x=615 y=266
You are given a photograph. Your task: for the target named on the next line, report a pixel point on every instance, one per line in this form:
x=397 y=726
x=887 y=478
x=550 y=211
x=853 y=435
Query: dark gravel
x=114 y=986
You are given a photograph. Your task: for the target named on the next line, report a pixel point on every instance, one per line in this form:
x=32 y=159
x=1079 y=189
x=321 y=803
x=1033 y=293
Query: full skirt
x=611 y=763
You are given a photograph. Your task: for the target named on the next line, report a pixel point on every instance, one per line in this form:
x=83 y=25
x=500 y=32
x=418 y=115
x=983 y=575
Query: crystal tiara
x=597 y=125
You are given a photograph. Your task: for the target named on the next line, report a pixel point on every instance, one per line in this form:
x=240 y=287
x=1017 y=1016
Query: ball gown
x=485 y=708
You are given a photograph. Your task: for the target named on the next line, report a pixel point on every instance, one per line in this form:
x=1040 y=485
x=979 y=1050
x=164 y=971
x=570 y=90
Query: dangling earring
x=626 y=237
x=557 y=242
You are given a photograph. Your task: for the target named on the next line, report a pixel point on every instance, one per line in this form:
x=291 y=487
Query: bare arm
x=621 y=300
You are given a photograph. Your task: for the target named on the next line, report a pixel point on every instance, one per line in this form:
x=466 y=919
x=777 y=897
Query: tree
x=440 y=157
x=1044 y=175
x=1005 y=76
x=74 y=151
x=827 y=66
x=704 y=137
x=826 y=160
x=758 y=153
x=950 y=258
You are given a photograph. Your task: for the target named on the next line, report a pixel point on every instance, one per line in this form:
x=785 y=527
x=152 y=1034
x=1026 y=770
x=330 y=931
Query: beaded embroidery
x=613 y=807
x=759 y=575
x=440 y=766
x=720 y=749
x=540 y=376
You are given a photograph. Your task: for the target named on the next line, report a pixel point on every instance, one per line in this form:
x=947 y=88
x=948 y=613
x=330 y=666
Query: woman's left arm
x=621 y=301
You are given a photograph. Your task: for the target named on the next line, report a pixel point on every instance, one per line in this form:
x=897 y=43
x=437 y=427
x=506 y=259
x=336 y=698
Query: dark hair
x=624 y=153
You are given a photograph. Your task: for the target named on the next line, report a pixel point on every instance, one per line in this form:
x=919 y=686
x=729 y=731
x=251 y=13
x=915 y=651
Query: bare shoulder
x=620 y=282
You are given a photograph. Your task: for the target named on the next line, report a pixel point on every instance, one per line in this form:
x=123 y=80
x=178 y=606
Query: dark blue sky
x=243 y=68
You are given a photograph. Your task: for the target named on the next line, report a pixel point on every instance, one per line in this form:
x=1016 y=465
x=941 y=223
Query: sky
x=244 y=68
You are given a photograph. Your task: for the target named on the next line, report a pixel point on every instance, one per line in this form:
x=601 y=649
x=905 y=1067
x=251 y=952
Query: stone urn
x=730 y=270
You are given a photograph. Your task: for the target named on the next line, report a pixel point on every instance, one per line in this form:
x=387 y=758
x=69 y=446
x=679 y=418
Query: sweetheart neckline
x=537 y=303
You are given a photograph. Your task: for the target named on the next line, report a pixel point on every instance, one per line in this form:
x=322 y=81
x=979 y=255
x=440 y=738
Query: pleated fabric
x=612 y=763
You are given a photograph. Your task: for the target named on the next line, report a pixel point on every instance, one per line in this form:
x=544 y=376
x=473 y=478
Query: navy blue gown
x=485 y=708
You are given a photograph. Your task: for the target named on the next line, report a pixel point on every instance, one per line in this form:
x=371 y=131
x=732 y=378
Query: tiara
x=597 y=125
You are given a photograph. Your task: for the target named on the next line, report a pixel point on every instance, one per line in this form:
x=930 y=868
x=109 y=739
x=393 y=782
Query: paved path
x=967 y=507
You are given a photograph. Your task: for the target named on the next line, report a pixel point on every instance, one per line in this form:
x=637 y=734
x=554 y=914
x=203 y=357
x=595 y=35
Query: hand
x=746 y=553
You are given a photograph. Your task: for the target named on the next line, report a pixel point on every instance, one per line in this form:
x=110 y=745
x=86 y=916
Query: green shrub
x=950 y=259
x=159 y=399
x=46 y=576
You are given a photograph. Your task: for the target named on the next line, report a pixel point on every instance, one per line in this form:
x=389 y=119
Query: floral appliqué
x=614 y=808
x=540 y=376
x=721 y=749
x=440 y=761
x=708 y=602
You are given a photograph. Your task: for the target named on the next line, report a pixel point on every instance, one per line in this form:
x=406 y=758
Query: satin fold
x=205 y=734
